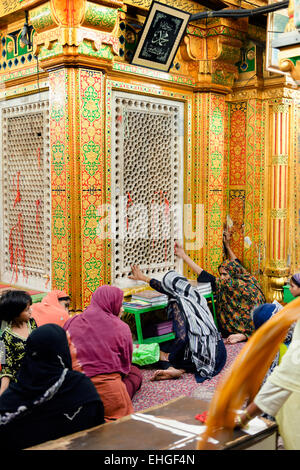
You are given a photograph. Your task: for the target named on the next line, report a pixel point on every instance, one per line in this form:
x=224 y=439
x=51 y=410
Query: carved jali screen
x=26 y=193
x=147 y=155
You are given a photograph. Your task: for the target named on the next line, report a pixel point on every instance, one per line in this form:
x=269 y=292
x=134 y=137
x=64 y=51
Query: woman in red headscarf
x=54 y=308
x=101 y=347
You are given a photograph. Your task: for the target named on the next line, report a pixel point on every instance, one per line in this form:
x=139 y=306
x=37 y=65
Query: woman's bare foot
x=236 y=338
x=170 y=373
x=163 y=356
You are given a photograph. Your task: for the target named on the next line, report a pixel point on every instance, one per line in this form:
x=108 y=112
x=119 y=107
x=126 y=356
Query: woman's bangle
x=240 y=421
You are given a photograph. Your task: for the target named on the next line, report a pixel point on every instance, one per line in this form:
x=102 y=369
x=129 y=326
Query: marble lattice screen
x=26 y=192
x=147 y=183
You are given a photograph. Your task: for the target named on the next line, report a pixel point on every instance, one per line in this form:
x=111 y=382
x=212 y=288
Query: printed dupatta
x=236 y=297
x=202 y=333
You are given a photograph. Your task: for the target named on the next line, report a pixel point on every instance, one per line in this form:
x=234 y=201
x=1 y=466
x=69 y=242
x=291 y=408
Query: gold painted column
x=209 y=53
x=76 y=42
x=77 y=181
x=277 y=269
x=209 y=169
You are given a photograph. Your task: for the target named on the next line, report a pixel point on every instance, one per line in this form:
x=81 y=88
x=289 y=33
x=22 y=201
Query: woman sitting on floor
x=54 y=308
x=101 y=347
x=198 y=347
x=15 y=310
x=49 y=400
x=237 y=292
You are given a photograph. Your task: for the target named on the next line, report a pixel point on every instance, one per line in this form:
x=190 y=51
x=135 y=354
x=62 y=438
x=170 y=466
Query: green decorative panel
x=14 y=53
x=128 y=38
x=86 y=48
x=217 y=124
x=248 y=59
x=221 y=77
x=55 y=50
x=215 y=258
x=91 y=105
x=59 y=273
x=216 y=164
x=91 y=221
x=57 y=112
x=215 y=217
x=91 y=153
x=58 y=160
x=41 y=18
x=59 y=225
x=92 y=271
x=100 y=17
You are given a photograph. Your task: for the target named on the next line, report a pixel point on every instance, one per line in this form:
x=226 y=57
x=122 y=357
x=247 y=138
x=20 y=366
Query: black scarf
x=46 y=378
x=202 y=333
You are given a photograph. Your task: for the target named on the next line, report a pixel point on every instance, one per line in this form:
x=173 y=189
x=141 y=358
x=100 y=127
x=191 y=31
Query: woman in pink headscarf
x=54 y=308
x=101 y=347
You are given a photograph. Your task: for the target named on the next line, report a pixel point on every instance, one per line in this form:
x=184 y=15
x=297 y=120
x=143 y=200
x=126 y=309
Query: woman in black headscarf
x=198 y=347
x=49 y=400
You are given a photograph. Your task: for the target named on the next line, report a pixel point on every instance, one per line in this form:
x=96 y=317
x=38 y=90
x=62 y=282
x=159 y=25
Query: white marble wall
x=147 y=183
x=25 y=226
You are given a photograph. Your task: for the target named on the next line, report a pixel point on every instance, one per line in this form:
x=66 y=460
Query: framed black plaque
x=160 y=37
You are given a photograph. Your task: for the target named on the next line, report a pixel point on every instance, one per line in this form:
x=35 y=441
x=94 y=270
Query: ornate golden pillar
x=277 y=269
x=75 y=42
x=210 y=153
x=288 y=43
x=210 y=51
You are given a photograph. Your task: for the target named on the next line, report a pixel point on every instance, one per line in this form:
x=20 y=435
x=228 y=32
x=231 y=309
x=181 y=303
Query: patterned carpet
x=156 y=393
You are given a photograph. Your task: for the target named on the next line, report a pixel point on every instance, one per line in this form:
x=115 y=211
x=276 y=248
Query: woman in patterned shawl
x=237 y=292
x=198 y=347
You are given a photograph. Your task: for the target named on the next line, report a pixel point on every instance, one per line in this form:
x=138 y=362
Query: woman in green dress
x=15 y=309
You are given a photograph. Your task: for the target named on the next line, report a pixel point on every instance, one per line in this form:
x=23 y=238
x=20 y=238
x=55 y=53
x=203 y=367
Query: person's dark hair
x=64 y=298
x=12 y=303
x=295 y=281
